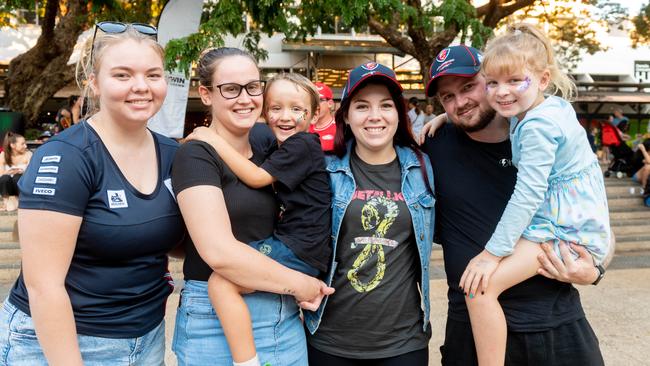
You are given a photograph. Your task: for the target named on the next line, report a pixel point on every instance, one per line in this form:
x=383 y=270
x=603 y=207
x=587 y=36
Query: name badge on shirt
x=44 y=191
x=117 y=199
x=51 y=159
x=48 y=169
x=45 y=180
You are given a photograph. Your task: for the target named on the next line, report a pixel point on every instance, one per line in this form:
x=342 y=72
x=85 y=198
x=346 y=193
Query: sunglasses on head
x=118 y=27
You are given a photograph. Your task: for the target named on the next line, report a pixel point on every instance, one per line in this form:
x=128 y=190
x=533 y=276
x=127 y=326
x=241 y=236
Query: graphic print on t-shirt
x=377 y=216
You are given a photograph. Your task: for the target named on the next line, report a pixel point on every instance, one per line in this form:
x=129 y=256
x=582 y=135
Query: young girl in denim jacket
x=559 y=194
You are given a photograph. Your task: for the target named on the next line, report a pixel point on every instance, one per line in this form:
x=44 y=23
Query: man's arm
x=580 y=271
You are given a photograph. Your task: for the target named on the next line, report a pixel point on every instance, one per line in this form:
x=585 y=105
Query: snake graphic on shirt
x=377 y=214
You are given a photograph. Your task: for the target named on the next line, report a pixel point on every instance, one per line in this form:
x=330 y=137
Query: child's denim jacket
x=419 y=200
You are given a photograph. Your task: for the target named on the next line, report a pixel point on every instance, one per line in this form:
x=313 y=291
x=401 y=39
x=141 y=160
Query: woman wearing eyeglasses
x=222 y=214
x=96 y=220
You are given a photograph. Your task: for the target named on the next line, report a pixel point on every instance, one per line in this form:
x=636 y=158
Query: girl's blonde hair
x=301 y=82
x=91 y=59
x=524 y=45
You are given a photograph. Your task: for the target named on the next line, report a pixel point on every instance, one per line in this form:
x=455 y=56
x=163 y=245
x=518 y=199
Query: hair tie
x=517 y=32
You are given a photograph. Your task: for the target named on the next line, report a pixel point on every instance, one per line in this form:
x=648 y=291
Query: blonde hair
x=524 y=45
x=301 y=82
x=91 y=59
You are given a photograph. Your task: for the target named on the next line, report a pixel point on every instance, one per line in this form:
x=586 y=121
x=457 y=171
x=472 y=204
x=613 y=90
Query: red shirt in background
x=326 y=135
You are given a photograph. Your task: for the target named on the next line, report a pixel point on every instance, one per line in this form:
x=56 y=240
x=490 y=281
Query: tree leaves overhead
x=641 y=34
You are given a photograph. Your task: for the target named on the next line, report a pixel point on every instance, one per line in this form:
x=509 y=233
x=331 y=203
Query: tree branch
x=392 y=34
x=49 y=20
x=492 y=12
x=417 y=34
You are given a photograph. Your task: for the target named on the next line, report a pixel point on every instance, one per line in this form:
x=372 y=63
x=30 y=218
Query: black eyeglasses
x=118 y=27
x=233 y=90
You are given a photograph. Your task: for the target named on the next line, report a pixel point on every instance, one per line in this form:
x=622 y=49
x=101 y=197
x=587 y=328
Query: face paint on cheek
x=302 y=117
x=524 y=85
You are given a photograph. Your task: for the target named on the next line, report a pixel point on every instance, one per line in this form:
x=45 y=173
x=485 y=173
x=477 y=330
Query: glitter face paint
x=524 y=84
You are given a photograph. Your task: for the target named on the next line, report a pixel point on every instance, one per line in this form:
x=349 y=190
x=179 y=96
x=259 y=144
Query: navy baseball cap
x=458 y=60
x=370 y=70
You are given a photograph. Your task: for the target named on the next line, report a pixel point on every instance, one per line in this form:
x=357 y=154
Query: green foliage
x=572 y=28
x=641 y=34
x=8 y=15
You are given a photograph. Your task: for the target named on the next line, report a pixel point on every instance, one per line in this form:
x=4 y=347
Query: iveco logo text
x=44 y=191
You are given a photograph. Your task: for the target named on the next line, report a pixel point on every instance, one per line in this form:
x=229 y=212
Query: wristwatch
x=601 y=274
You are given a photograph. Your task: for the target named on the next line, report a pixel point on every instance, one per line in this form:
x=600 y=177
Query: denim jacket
x=419 y=200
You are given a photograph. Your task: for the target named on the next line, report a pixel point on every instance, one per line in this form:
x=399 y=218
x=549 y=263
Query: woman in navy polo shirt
x=96 y=219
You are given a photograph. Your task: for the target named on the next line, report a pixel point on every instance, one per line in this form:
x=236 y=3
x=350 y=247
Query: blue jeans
x=19 y=345
x=199 y=338
x=275 y=249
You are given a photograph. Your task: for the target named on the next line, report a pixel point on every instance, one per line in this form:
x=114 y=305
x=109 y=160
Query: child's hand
x=314 y=304
x=430 y=128
x=478 y=271
x=204 y=134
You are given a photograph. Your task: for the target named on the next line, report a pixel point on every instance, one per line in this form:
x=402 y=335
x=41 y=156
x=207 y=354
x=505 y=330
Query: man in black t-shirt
x=474 y=179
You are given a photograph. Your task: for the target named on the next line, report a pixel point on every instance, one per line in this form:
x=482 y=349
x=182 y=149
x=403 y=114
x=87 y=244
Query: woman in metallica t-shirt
x=382 y=225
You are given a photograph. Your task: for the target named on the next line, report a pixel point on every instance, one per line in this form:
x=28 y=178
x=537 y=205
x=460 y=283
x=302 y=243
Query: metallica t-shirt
x=375 y=311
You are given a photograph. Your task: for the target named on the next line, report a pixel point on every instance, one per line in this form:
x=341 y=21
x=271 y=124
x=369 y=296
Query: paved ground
x=618 y=309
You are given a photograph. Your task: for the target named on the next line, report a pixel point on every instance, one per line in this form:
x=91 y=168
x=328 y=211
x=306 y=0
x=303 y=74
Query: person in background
x=324 y=125
x=416 y=116
x=14 y=159
x=428 y=113
x=69 y=115
x=620 y=121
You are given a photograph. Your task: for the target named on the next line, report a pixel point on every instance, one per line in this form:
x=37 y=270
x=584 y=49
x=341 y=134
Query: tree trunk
x=36 y=75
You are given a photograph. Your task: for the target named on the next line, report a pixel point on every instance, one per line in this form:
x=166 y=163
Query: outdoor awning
x=613 y=97
x=340 y=46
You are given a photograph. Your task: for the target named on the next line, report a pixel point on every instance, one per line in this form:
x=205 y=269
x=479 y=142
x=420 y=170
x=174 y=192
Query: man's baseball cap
x=368 y=71
x=458 y=60
x=324 y=91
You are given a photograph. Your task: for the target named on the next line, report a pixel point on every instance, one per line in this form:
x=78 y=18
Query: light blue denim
x=275 y=249
x=558 y=183
x=19 y=345
x=199 y=338
x=418 y=198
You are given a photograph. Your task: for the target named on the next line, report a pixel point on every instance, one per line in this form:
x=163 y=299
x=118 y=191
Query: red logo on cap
x=442 y=56
x=369 y=66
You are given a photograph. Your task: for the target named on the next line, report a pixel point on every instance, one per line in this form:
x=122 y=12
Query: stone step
x=625 y=201
x=7 y=235
x=8 y=219
x=613 y=191
x=642 y=237
x=615 y=182
x=631 y=247
x=631 y=222
x=631 y=229
x=641 y=211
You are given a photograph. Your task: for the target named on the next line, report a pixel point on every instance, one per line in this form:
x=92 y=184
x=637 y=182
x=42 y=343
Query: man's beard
x=485 y=117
